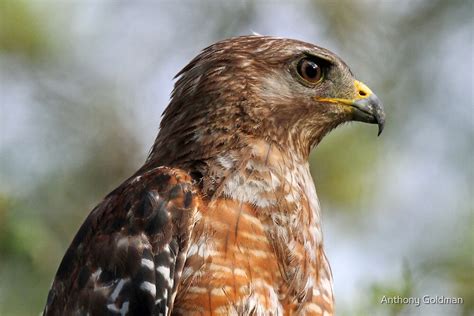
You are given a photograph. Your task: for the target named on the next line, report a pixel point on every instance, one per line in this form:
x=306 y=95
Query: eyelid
x=323 y=62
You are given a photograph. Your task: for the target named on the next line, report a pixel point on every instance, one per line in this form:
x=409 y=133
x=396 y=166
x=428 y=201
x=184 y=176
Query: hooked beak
x=365 y=107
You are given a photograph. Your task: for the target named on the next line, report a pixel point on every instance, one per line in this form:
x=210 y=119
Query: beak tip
x=370 y=110
x=381 y=126
x=380 y=117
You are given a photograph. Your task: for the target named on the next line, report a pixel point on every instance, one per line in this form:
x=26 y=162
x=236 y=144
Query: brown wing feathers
x=125 y=255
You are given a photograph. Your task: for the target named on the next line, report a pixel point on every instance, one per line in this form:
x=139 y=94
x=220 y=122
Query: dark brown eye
x=309 y=70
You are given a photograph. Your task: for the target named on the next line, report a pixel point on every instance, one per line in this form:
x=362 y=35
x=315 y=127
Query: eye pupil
x=309 y=70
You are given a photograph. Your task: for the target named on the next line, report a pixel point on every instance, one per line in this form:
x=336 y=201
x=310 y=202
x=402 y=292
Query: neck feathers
x=279 y=186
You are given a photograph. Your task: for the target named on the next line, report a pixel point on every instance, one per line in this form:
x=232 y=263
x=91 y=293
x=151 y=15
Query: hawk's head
x=280 y=90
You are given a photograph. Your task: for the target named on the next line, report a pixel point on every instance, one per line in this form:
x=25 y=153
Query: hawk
x=223 y=217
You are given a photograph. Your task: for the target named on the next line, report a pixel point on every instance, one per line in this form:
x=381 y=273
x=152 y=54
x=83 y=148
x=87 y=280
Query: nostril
x=362 y=93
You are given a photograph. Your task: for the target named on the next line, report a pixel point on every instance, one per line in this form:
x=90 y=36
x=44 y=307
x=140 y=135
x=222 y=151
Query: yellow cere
x=361 y=92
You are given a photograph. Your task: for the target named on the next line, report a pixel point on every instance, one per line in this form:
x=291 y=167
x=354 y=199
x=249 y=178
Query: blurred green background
x=83 y=84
